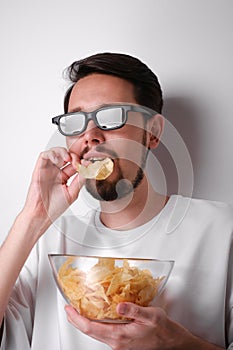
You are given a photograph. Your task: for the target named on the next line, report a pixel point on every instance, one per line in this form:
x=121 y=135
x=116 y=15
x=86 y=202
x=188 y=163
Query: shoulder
x=204 y=206
x=200 y=214
x=212 y=209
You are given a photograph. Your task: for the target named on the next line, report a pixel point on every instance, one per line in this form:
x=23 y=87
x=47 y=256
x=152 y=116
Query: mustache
x=102 y=149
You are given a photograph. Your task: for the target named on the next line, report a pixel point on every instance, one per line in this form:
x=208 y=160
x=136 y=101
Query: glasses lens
x=73 y=123
x=110 y=118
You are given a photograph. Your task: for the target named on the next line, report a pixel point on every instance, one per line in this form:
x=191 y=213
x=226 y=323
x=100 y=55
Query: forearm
x=23 y=235
x=201 y=344
x=192 y=342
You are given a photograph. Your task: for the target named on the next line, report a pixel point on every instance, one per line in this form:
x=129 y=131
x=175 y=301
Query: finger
x=67 y=171
x=74 y=160
x=75 y=187
x=93 y=329
x=57 y=155
x=140 y=314
x=72 y=315
x=99 y=329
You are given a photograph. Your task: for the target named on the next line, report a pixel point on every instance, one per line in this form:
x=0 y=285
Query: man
x=195 y=310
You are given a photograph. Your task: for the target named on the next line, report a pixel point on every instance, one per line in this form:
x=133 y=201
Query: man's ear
x=155 y=129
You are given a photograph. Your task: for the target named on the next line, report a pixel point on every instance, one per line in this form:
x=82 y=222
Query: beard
x=107 y=190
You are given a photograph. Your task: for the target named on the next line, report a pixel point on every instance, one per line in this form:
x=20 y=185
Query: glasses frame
x=146 y=112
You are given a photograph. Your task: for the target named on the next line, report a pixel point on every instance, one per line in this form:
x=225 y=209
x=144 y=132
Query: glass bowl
x=95 y=285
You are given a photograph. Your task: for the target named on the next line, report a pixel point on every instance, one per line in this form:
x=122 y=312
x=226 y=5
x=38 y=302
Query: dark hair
x=147 y=88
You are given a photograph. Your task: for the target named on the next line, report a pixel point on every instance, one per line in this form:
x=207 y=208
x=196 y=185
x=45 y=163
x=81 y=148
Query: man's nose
x=93 y=135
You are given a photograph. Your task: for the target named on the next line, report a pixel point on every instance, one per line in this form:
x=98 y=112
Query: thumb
x=141 y=314
x=130 y=310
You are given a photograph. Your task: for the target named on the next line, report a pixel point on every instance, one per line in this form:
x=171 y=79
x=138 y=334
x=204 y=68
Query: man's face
x=127 y=146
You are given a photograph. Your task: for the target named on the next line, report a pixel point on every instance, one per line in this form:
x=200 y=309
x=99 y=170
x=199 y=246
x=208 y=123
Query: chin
x=106 y=190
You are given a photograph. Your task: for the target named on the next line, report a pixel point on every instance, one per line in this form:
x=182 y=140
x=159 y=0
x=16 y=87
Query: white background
x=187 y=43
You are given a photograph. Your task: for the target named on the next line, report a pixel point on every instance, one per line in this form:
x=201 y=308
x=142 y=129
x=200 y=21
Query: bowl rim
x=111 y=257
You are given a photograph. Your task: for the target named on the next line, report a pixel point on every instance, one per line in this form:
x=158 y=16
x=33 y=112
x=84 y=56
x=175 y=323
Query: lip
x=89 y=155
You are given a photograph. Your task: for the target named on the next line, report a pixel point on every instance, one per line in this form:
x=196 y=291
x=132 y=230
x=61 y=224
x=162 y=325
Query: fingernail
x=55 y=159
x=68 y=309
x=122 y=308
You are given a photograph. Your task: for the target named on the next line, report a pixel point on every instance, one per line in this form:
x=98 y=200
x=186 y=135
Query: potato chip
x=99 y=169
x=96 y=293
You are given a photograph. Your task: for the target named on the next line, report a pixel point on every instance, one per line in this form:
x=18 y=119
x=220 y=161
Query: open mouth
x=96 y=168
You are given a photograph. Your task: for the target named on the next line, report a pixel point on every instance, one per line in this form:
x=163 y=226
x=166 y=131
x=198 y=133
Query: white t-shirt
x=196 y=234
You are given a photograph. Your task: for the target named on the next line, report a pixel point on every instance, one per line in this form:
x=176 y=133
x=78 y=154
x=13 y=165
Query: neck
x=134 y=210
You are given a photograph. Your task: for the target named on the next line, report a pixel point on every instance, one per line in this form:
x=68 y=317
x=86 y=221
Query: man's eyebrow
x=73 y=110
x=91 y=108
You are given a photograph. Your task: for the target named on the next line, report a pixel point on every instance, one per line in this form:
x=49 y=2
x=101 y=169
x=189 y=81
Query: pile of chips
x=96 y=293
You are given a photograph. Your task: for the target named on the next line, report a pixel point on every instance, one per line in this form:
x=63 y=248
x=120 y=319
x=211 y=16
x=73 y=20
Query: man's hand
x=49 y=195
x=151 y=329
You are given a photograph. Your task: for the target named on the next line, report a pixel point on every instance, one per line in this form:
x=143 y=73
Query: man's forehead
x=99 y=89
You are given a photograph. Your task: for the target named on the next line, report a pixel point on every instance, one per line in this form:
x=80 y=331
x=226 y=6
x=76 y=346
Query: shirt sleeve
x=19 y=315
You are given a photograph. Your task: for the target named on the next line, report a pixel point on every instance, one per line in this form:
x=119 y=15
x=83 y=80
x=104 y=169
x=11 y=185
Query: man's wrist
x=31 y=226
